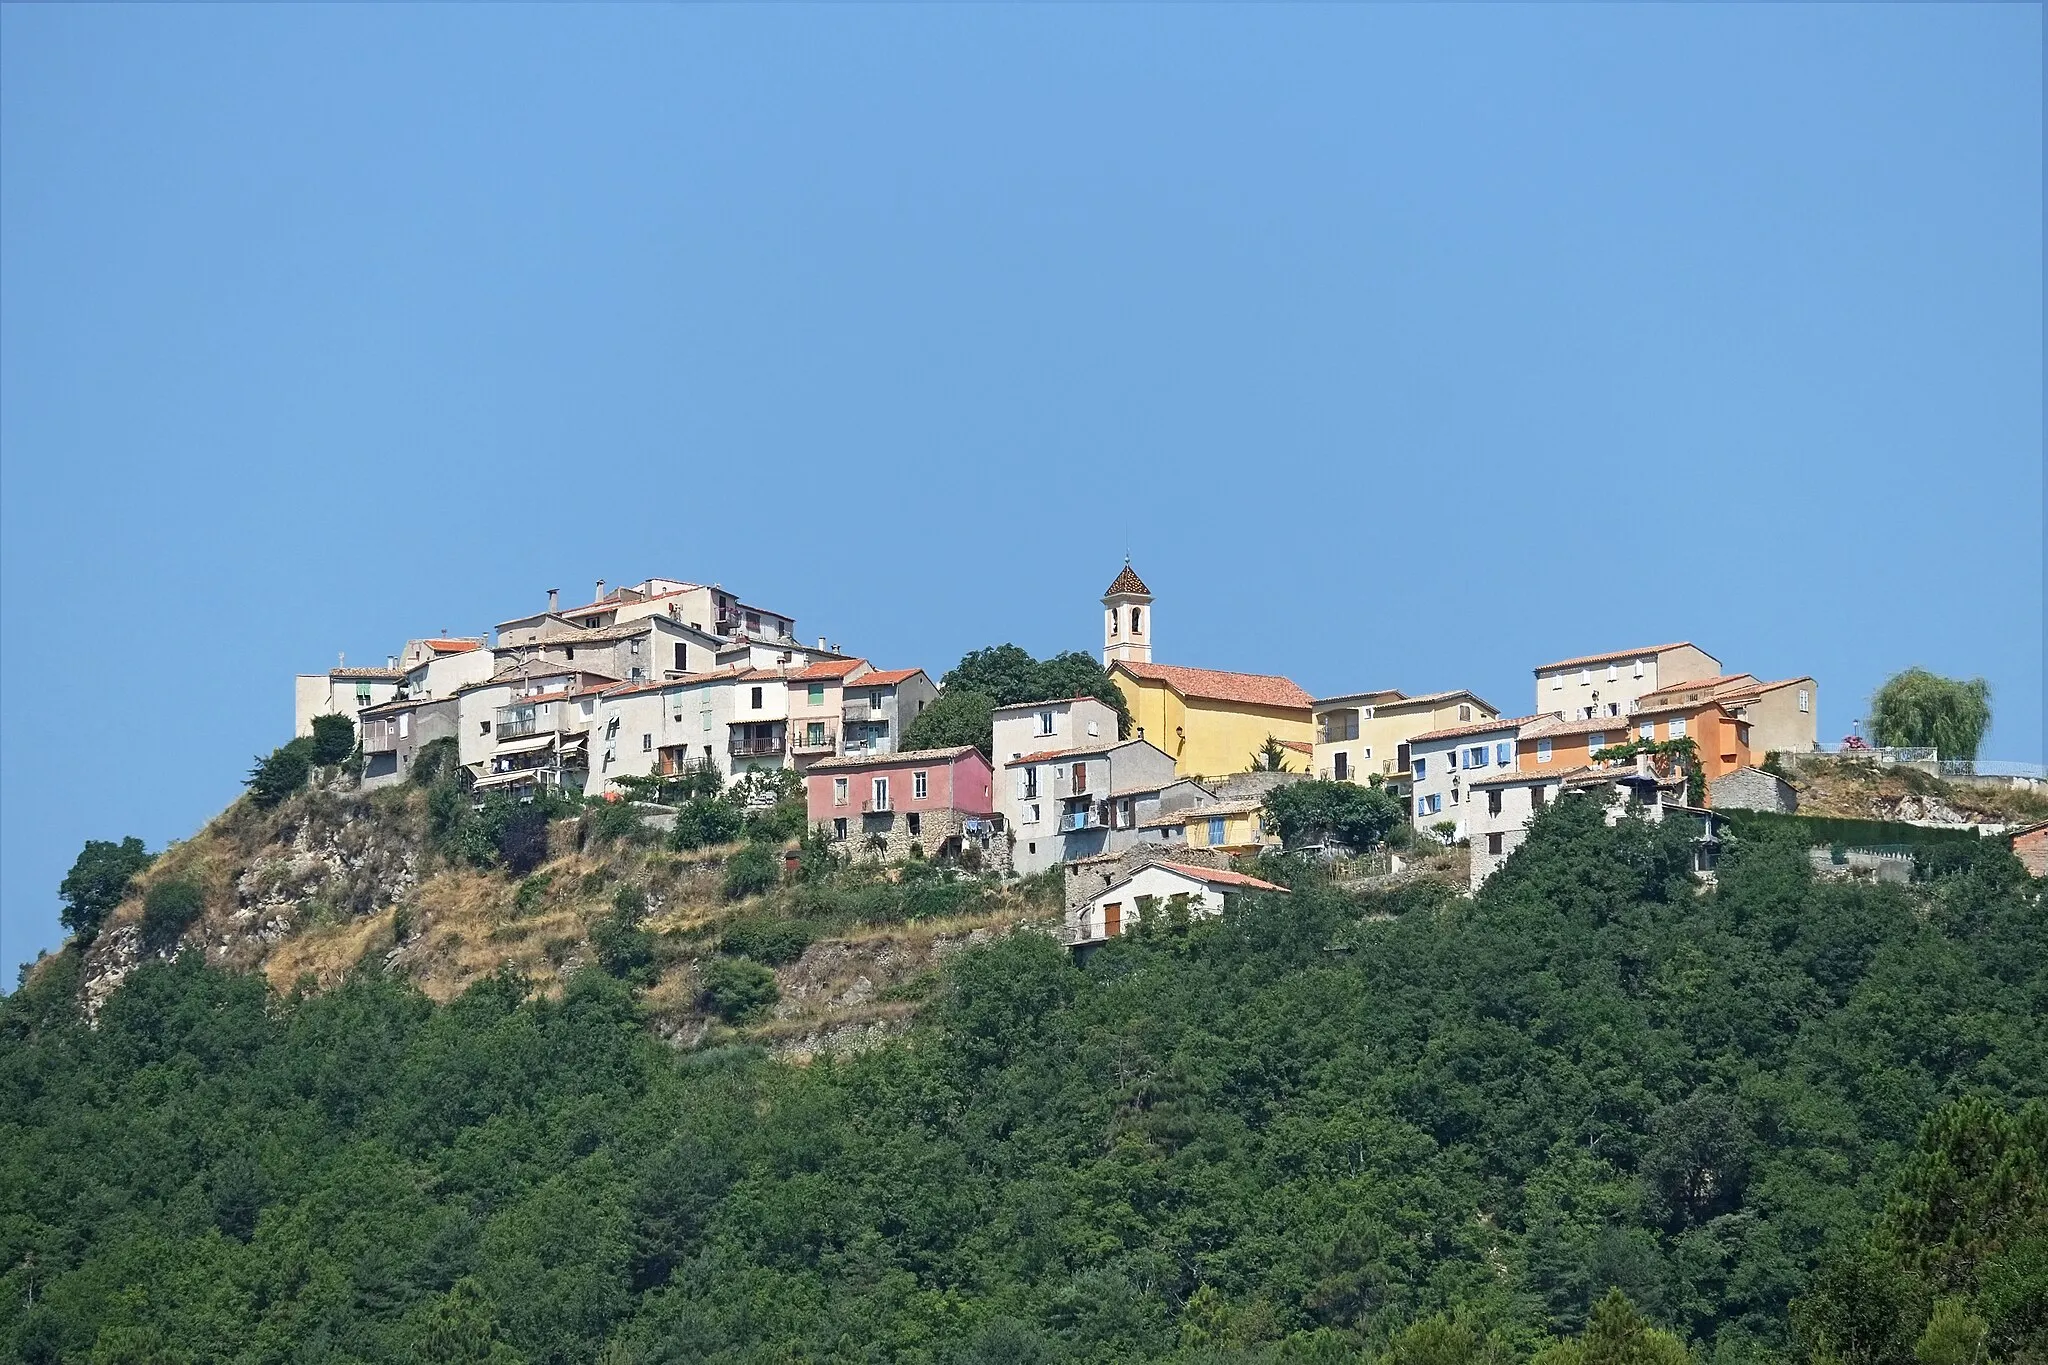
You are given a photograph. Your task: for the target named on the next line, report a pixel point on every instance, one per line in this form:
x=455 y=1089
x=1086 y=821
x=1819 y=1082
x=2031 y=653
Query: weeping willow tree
x=1918 y=709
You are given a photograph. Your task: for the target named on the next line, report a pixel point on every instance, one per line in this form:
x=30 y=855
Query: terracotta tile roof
x=885 y=677
x=889 y=760
x=1048 y=701
x=1478 y=728
x=827 y=669
x=1300 y=746
x=1438 y=698
x=1127 y=581
x=1542 y=774
x=1213 y=684
x=1646 y=652
x=452 y=646
x=1219 y=877
x=1550 y=725
x=1188 y=814
x=1103 y=747
x=368 y=674
x=612 y=601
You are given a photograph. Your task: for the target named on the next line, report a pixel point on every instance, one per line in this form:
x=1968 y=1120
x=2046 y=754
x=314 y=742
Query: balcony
x=1076 y=820
x=754 y=746
x=863 y=715
x=874 y=807
x=806 y=742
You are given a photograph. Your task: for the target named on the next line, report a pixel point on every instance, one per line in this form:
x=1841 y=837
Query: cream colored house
x=1364 y=735
x=341 y=691
x=1783 y=716
x=1155 y=888
x=1595 y=685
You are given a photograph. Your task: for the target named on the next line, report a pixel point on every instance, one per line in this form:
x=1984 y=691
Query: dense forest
x=1597 y=1114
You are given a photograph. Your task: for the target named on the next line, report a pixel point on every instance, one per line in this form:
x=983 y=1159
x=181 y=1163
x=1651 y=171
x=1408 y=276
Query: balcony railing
x=514 y=725
x=805 y=741
x=744 y=746
x=862 y=715
x=874 y=807
x=1079 y=820
x=381 y=739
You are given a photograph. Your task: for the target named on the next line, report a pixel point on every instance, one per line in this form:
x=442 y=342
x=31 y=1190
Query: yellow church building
x=1209 y=720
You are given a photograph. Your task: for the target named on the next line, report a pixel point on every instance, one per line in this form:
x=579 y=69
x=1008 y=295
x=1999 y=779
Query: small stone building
x=1752 y=789
x=2030 y=846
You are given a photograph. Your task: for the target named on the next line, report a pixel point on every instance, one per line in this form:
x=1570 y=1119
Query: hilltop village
x=668 y=678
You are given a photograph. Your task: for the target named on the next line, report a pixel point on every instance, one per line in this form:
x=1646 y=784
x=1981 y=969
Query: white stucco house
x=1153 y=888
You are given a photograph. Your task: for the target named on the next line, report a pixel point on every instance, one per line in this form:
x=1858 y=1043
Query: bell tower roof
x=1128 y=583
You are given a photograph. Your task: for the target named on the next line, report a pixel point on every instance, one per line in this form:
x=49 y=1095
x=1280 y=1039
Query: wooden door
x=1112 y=919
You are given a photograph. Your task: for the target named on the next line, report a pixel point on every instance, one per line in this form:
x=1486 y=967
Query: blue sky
x=1403 y=347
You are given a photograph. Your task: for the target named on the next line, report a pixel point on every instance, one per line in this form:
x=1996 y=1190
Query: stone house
x=393 y=734
x=2030 y=846
x=934 y=803
x=877 y=704
x=1596 y=685
x=1753 y=789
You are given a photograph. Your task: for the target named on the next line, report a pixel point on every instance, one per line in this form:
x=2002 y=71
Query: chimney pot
x=600 y=591
x=821 y=642
x=554 y=598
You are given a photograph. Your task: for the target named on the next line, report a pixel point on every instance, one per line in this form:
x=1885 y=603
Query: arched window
x=1136 y=627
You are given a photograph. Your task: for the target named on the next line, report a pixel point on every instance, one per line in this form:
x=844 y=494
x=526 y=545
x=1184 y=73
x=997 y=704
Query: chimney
x=554 y=599
x=821 y=642
x=391 y=661
x=600 y=591
x=341 y=659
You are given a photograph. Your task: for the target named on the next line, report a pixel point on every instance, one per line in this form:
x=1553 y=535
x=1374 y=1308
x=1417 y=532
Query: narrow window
x=1493 y=842
x=1464 y=714
x=1137 y=621
x=484 y=727
x=1543 y=751
x=646 y=744
x=1805 y=700
x=816 y=695
x=920 y=785
x=1556 y=681
x=881 y=793
x=1539 y=797
x=1045 y=722
x=682 y=658
x=1503 y=754
x=1493 y=804
x=916 y=823
x=570 y=651
x=756 y=699
x=1080 y=777
x=1421 y=769
x=635 y=643
x=1596 y=741
x=1613 y=672
x=1647 y=730
x=838 y=791
x=1585 y=677
x=1215 y=831
x=839 y=827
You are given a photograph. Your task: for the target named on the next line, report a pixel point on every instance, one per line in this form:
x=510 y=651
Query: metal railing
x=803 y=741
x=1078 y=820
x=874 y=807
x=1990 y=767
x=861 y=715
x=742 y=746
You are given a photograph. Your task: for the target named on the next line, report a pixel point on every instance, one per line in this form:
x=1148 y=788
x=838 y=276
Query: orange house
x=1721 y=737
x=1552 y=745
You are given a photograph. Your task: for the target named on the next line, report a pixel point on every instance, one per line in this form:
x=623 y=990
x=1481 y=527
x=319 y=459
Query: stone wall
x=1088 y=879
x=935 y=827
x=1752 y=789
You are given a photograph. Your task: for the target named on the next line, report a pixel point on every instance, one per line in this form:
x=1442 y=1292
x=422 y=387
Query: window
x=814 y=734
x=838 y=791
x=570 y=652
x=1034 y=820
x=682 y=658
x=1805 y=700
x=1493 y=804
x=1639 y=668
x=816 y=694
x=755 y=699
x=1493 y=842
x=1647 y=730
x=1556 y=681
x=1585 y=677
x=646 y=744
x=484 y=727
x=920 y=786
x=839 y=827
x=404 y=724
x=1543 y=751
x=1613 y=672
x=874 y=703
x=1475 y=757
x=633 y=645
x=1137 y=621
x=1080 y=777
x=1464 y=714
x=1216 y=835
x=1030 y=788
x=1112 y=622
x=704 y=719
x=1421 y=769
x=1539 y=797
x=1045 y=722
x=881 y=793
x=1504 y=754
x=1342 y=771
x=1596 y=741
x=363 y=695
x=916 y=823
x=1678 y=727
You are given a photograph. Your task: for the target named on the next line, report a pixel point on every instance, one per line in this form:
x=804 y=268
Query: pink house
x=879 y=805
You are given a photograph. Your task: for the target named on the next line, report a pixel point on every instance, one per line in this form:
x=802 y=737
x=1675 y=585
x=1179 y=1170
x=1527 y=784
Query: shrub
x=170 y=908
x=622 y=948
x=703 y=821
x=751 y=871
x=612 y=822
x=334 y=739
x=527 y=898
x=737 y=990
x=97 y=881
x=436 y=759
x=282 y=773
x=522 y=837
x=774 y=941
x=783 y=820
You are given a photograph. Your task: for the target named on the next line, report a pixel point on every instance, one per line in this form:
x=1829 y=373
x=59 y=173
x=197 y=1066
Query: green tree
x=737 y=990
x=280 y=774
x=334 y=739
x=1344 y=812
x=754 y=869
x=170 y=908
x=955 y=717
x=1271 y=757
x=97 y=881
x=1918 y=709
x=704 y=821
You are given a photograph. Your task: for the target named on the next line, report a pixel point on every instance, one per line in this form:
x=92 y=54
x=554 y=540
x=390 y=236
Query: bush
x=622 y=948
x=436 y=759
x=703 y=821
x=781 y=821
x=170 y=908
x=334 y=739
x=282 y=773
x=737 y=990
x=613 y=822
x=97 y=881
x=522 y=837
x=774 y=941
x=751 y=871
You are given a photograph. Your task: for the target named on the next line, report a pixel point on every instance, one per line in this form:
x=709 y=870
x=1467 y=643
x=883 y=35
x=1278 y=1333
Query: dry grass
x=324 y=954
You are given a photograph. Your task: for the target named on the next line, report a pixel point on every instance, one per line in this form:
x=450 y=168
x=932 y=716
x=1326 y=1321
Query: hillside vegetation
x=1784 y=1120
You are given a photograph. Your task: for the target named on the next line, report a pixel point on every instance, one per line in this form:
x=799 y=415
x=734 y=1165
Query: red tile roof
x=1480 y=727
x=1127 y=581
x=884 y=677
x=1221 y=878
x=1300 y=746
x=827 y=669
x=452 y=646
x=852 y=761
x=368 y=674
x=1212 y=684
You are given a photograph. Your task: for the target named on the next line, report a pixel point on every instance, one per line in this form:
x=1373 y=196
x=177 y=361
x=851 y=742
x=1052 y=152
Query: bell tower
x=1127 y=620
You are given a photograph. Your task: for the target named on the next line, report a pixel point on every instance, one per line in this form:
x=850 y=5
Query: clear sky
x=1402 y=346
